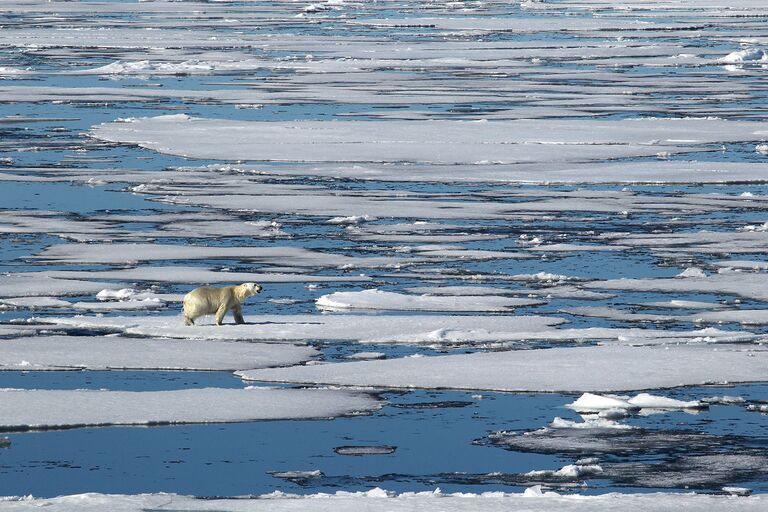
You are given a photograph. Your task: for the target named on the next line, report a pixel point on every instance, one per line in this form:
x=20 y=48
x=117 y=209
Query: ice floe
x=749 y=55
x=50 y=409
x=382 y=300
x=31 y=285
x=569 y=471
x=111 y=352
x=439 y=142
x=591 y=403
x=609 y=368
x=191 y=275
x=285 y=256
x=379 y=500
x=315 y=327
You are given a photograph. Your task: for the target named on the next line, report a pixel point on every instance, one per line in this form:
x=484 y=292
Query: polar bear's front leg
x=220 y=314
x=238 y=313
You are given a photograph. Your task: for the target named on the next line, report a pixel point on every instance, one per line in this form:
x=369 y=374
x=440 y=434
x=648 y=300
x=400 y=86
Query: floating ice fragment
x=367 y=356
x=692 y=272
x=352 y=219
x=589 y=402
x=569 y=471
x=723 y=400
x=536 y=492
x=747 y=55
x=589 y=423
x=123 y=293
x=647 y=401
x=737 y=491
x=762 y=149
x=365 y=450
x=302 y=475
x=613 y=414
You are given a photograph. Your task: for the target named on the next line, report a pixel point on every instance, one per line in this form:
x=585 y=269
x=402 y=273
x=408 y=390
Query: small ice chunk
x=692 y=272
x=589 y=402
x=762 y=149
x=746 y=55
x=365 y=450
x=723 y=400
x=647 y=401
x=613 y=414
x=536 y=492
x=589 y=423
x=290 y=475
x=352 y=219
x=737 y=491
x=120 y=294
x=364 y=356
x=569 y=471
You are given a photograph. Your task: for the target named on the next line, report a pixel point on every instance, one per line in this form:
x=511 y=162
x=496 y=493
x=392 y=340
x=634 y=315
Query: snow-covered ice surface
x=51 y=409
x=383 y=300
x=112 y=352
x=557 y=369
x=379 y=500
x=460 y=204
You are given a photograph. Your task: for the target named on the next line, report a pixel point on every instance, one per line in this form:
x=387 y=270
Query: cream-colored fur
x=208 y=300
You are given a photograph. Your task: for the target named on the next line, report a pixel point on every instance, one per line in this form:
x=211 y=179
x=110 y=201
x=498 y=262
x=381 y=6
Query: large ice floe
x=112 y=352
x=318 y=327
x=396 y=329
x=51 y=409
x=382 y=300
x=379 y=500
x=558 y=369
x=438 y=142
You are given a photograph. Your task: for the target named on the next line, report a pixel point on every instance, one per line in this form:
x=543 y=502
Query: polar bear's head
x=250 y=289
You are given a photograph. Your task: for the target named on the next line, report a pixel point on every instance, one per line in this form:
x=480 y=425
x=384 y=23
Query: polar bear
x=207 y=301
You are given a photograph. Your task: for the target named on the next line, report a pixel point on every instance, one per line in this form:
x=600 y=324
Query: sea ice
x=749 y=55
x=31 y=285
x=589 y=402
x=382 y=300
x=605 y=368
x=378 y=500
x=50 y=409
x=311 y=327
x=440 y=142
x=110 y=352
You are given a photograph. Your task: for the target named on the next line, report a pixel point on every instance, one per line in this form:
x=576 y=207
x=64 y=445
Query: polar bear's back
x=203 y=300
